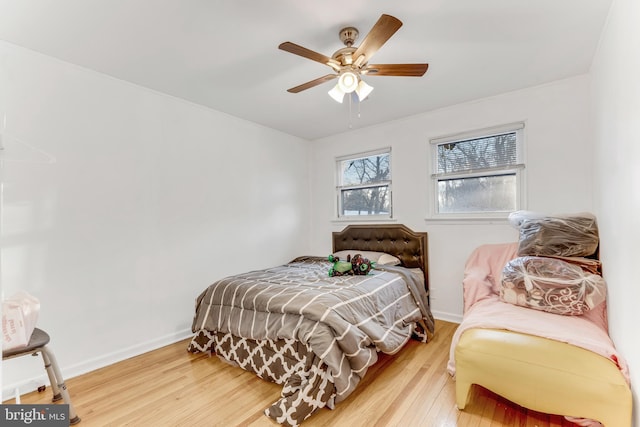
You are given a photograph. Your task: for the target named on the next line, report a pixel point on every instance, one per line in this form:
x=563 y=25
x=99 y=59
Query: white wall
x=616 y=118
x=558 y=173
x=121 y=205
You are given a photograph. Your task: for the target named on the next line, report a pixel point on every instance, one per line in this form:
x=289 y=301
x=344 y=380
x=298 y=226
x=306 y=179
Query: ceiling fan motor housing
x=344 y=56
x=349 y=35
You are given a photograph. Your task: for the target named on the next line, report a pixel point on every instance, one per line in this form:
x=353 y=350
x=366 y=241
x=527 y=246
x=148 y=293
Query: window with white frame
x=364 y=184
x=478 y=174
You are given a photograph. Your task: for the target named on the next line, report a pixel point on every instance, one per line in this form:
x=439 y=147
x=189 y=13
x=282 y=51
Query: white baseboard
x=448 y=317
x=31 y=384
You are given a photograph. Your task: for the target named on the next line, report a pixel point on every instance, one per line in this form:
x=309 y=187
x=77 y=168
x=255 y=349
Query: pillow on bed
x=551 y=285
x=380 y=258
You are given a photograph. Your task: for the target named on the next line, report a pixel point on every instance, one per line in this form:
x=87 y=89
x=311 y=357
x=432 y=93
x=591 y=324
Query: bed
x=548 y=362
x=317 y=335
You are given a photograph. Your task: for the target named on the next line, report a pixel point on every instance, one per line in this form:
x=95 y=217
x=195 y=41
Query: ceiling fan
x=350 y=63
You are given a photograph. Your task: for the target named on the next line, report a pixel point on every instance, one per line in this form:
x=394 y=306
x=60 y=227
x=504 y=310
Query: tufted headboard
x=396 y=239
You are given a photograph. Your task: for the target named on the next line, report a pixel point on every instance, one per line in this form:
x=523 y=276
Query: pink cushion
x=483 y=271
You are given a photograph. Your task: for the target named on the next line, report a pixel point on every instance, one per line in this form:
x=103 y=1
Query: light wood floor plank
x=171 y=387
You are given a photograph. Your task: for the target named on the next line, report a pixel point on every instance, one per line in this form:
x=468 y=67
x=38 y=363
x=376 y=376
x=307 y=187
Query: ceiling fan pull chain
x=350 y=102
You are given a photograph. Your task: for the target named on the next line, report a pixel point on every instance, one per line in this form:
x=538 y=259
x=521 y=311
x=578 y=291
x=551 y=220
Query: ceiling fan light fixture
x=363 y=90
x=348 y=81
x=350 y=63
x=337 y=94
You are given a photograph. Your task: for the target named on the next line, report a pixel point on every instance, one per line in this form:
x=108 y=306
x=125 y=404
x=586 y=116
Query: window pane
x=480 y=153
x=365 y=170
x=366 y=201
x=479 y=194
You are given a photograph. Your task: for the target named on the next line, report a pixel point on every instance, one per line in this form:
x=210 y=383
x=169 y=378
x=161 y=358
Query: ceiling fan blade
x=306 y=53
x=312 y=83
x=382 y=31
x=408 y=70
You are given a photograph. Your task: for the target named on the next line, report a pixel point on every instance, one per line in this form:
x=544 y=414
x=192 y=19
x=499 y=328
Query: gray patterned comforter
x=344 y=320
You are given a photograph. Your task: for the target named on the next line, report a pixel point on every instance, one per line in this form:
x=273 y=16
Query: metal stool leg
x=57 y=382
x=52 y=377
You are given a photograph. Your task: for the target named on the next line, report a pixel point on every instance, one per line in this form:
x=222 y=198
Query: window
x=478 y=174
x=364 y=184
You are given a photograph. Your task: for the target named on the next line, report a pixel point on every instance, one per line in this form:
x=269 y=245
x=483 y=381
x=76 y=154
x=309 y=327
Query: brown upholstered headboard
x=396 y=239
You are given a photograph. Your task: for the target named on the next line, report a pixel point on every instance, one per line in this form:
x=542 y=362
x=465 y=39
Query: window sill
x=363 y=219
x=468 y=220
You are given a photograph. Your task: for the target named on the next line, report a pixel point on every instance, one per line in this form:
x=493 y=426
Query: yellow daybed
x=551 y=363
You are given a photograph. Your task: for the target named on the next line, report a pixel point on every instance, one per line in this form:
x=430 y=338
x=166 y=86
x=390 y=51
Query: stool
x=38 y=344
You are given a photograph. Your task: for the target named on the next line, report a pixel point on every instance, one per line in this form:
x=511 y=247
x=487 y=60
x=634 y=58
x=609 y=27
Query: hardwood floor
x=171 y=387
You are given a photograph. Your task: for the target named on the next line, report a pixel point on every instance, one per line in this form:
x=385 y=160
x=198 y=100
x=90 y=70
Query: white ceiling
x=224 y=54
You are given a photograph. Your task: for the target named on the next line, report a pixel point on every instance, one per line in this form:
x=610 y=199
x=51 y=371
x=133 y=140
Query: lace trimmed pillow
x=551 y=285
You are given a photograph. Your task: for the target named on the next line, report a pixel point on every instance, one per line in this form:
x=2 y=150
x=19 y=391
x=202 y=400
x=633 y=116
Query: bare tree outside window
x=473 y=154
x=365 y=185
x=478 y=175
